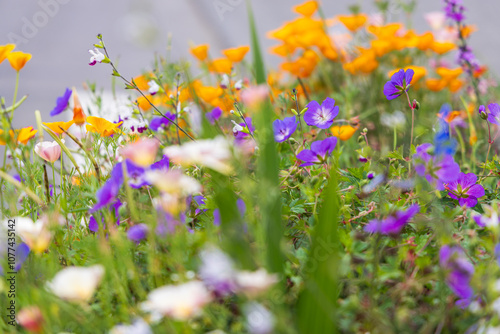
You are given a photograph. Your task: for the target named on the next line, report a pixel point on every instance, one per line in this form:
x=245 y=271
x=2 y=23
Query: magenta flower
x=96 y=57
x=321 y=115
x=319 y=152
x=283 y=129
x=399 y=84
x=393 y=224
x=465 y=190
x=61 y=103
x=460 y=271
x=213 y=115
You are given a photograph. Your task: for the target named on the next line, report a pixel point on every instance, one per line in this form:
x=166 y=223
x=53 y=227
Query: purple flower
x=437 y=170
x=200 y=201
x=216 y=217
x=213 y=115
x=240 y=135
x=283 y=129
x=108 y=193
x=163 y=164
x=399 y=84
x=61 y=103
x=93 y=225
x=22 y=252
x=241 y=208
x=454 y=10
x=217 y=271
x=161 y=122
x=465 y=190
x=393 y=224
x=489 y=218
x=321 y=116
x=319 y=152
x=493 y=115
x=137 y=232
x=460 y=271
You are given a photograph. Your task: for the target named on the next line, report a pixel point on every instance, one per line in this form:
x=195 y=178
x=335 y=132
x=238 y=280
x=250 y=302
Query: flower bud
x=482 y=112
x=304 y=110
x=294 y=112
x=415 y=105
x=361 y=139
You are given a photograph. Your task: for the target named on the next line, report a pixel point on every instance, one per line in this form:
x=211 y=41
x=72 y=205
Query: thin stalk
x=15 y=94
x=54 y=179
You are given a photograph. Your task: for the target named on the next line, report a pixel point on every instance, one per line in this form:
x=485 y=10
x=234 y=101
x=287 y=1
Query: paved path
x=135 y=29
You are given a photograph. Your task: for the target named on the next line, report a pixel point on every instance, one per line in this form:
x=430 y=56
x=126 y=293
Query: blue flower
x=399 y=84
x=61 y=103
x=283 y=129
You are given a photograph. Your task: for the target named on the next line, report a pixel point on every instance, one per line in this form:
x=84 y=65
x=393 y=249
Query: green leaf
x=260 y=72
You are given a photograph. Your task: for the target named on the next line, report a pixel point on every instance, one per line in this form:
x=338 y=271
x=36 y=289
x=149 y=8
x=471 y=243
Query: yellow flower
x=221 y=65
x=442 y=47
x=18 y=59
x=353 y=22
x=236 y=54
x=200 y=51
x=101 y=126
x=308 y=8
x=54 y=126
x=5 y=50
x=343 y=132
x=25 y=134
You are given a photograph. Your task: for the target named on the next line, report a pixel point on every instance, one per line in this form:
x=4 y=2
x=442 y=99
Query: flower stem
x=53 y=180
x=15 y=94
x=395 y=138
x=489 y=147
x=411 y=133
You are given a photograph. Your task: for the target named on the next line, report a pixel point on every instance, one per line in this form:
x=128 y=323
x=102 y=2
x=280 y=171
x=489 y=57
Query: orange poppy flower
x=480 y=71
x=5 y=50
x=142 y=82
x=425 y=41
x=283 y=50
x=455 y=85
x=468 y=30
x=435 y=85
x=54 y=126
x=208 y=93
x=18 y=59
x=385 y=32
x=143 y=103
x=343 y=132
x=25 y=134
x=101 y=126
x=78 y=114
x=449 y=74
x=308 y=8
x=236 y=54
x=442 y=47
x=353 y=22
x=221 y=65
x=200 y=52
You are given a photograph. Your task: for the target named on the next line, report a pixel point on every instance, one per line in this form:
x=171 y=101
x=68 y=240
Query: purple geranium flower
x=241 y=208
x=61 y=103
x=213 y=115
x=489 y=218
x=454 y=10
x=399 y=84
x=22 y=252
x=109 y=191
x=240 y=135
x=217 y=271
x=493 y=115
x=137 y=232
x=319 y=152
x=465 y=190
x=460 y=271
x=437 y=170
x=200 y=201
x=394 y=223
x=283 y=129
x=161 y=122
x=321 y=116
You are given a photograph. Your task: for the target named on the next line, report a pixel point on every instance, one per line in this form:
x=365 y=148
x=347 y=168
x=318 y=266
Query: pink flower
x=436 y=20
x=31 y=318
x=142 y=152
x=254 y=95
x=50 y=151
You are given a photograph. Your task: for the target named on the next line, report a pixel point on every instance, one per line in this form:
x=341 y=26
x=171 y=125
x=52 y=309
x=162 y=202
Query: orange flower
x=353 y=22
x=143 y=103
x=283 y=50
x=25 y=134
x=5 y=50
x=442 y=47
x=142 y=82
x=385 y=32
x=101 y=126
x=78 y=114
x=221 y=65
x=435 y=85
x=467 y=30
x=455 y=85
x=419 y=72
x=480 y=71
x=18 y=59
x=308 y=8
x=208 y=94
x=425 y=41
x=343 y=132
x=449 y=74
x=200 y=51
x=236 y=54
x=54 y=126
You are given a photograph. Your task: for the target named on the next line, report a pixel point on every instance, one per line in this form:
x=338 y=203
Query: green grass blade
x=260 y=71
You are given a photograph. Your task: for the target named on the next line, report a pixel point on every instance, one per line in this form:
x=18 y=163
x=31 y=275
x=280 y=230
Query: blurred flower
x=465 y=190
x=254 y=283
x=353 y=22
x=258 y=319
x=139 y=326
x=56 y=126
x=321 y=116
x=137 y=233
x=101 y=126
x=153 y=87
x=76 y=284
x=395 y=120
x=221 y=65
x=494 y=115
x=179 y=302
x=212 y=153
x=283 y=129
x=418 y=72
x=307 y=8
x=241 y=208
x=236 y=54
x=49 y=151
x=217 y=272
x=142 y=152
x=200 y=52
x=436 y=20
x=78 y=115
x=253 y=96
x=22 y=253
x=108 y=193
x=343 y=132
x=5 y=50
x=173 y=182
x=96 y=57
x=20 y=136
x=490 y=217
x=162 y=122
x=18 y=59
x=35 y=234
x=213 y=115
x=399 y=84
x=438 y=169
x=61 y=103
x=459 y=272
x=319 y=152
x=31 y=319
x=393 y=224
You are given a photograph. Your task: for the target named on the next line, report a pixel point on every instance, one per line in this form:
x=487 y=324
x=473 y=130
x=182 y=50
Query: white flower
x=139 y=326
x=254 y=283
x=96 y=57
x=35 y=234
x=225 y=81
x=153 y=87
x=180 y=302
x=76 y=284
x=211 y=153
x=394 y=120
x=173 y=182
x=258 y=319
x=238 y=85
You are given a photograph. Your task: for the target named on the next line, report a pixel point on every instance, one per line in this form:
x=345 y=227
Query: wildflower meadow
x=351 y=189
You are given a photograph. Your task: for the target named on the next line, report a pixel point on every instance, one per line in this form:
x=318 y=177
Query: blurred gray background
x=59 y=33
